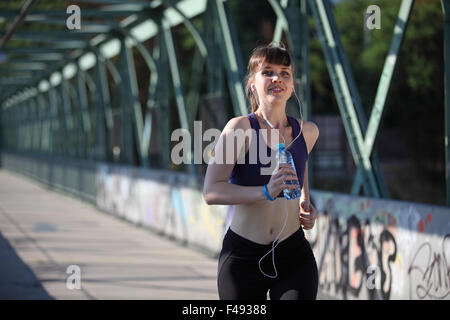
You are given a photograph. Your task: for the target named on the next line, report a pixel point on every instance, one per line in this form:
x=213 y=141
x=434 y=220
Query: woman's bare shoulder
x=310 y=128
x=310 y=133
x=240 y=122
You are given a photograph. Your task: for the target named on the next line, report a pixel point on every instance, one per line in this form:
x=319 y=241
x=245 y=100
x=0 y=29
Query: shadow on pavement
x=17 y=280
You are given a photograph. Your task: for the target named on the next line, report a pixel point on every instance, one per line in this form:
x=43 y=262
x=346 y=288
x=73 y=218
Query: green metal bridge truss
x=56 y=99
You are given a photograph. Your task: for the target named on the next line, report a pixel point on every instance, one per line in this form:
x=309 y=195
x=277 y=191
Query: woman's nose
x=275 y=77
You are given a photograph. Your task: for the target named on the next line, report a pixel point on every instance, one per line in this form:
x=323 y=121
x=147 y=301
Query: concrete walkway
x=43 y=233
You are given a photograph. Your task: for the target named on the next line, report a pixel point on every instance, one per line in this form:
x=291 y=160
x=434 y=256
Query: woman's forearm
x=228 y=194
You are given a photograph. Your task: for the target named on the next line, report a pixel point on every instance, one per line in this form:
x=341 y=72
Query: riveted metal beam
x=384 y=84
x=346 y=94
x=163 y=113
x=177 y=84
x=231 y=57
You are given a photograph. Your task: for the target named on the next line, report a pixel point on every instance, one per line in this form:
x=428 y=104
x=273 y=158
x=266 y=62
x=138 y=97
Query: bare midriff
x=262 y=221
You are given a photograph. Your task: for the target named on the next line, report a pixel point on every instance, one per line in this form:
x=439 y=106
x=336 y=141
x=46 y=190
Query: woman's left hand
x=307 y=215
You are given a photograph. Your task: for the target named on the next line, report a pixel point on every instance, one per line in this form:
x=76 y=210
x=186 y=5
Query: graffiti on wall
x=355 y=255
x=169 y=204
x=433 y=270
x=364 y=248
x=371 y=251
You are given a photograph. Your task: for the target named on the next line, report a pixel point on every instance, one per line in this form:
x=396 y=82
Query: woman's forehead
x=268 y=65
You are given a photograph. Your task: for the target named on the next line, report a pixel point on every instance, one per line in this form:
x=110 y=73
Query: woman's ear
x=250 y=85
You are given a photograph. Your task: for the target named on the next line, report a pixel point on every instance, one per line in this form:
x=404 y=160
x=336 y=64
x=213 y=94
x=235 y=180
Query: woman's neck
x=277 y=117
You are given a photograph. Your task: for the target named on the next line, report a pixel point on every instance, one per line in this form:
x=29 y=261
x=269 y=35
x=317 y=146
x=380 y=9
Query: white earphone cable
x=276 y=242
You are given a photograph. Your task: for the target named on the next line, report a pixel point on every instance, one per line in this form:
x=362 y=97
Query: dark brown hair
x=272 y=53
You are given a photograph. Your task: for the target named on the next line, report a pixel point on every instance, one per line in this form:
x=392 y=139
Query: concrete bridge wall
x=365 y=248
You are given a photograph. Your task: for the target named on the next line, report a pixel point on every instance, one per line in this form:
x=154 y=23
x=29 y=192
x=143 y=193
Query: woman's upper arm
x=226 y=151
x=311 y=134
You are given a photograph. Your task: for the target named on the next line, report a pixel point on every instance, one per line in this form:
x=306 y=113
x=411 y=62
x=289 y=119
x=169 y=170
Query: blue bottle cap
x=280 y=146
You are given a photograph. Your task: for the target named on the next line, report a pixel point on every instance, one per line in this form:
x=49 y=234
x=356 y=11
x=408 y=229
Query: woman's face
x=274 y=83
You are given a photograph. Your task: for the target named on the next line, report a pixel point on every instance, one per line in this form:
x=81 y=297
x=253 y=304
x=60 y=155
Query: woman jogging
x=265 y=250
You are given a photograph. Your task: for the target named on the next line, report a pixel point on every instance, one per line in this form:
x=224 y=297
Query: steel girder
x=163 y=63
x=361 y=140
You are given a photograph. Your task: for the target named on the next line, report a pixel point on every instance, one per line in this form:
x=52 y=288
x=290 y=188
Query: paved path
x=43 y=232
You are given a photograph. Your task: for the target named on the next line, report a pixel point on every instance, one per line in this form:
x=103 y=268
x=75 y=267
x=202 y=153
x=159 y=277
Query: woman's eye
x=271 y=73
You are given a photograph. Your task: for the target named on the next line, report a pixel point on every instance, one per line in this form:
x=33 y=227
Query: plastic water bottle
x=285 y=157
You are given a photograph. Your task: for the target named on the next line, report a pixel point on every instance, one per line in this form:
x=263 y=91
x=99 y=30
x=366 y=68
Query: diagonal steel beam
x=84 y=126
x=385 y=81
x=131 y=114
x=342 y=92
x=17 y=21
x=231 y=57
x=346 y=95
x=282 y=23
x=145 y=135
x=190 y=26
x=177 y=84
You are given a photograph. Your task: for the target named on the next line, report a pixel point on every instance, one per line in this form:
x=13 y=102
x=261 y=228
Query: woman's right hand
x=280 y=175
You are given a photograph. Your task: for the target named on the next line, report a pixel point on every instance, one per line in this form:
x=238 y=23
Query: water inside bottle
x=286 y=157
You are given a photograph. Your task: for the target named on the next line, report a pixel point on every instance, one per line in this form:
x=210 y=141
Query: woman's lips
x=275 y=89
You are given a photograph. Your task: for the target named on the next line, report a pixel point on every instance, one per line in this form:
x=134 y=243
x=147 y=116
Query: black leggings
x=239 y=276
